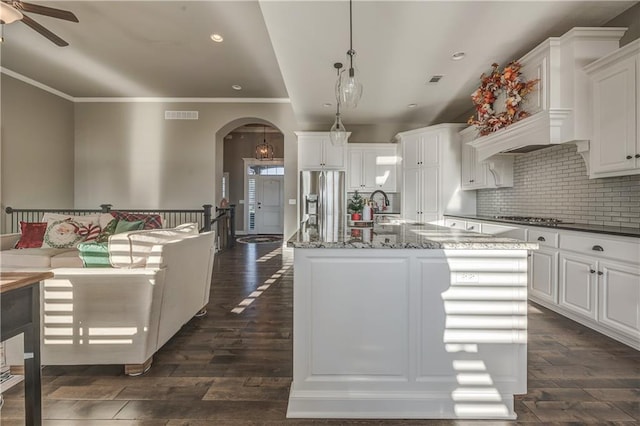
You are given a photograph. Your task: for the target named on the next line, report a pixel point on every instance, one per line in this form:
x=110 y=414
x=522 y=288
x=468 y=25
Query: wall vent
x=181 y=115
x=435 y=78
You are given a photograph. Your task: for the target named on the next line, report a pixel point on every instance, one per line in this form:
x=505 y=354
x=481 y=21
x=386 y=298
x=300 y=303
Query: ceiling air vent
x=435 y=78
x=181 y=115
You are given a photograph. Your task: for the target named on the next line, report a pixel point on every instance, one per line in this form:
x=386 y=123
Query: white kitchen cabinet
x=315 y=151
x=431 y=174
x=615 y=143
x=543 y=275
x=420 y=195
x=495 y=172
x=578 y=284
x=619 y=297
x=371 y=167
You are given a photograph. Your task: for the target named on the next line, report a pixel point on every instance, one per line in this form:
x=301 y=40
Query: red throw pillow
x=32 y=234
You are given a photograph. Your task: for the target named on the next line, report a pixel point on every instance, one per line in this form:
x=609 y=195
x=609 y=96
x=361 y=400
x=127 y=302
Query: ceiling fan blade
x=45 y=32
x=47 y=11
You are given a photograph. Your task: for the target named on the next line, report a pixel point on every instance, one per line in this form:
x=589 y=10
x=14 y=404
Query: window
x=252 y=204
x=265 y=170
x=225 y=185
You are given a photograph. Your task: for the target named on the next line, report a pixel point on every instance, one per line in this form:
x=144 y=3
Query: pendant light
x=338 y=134
x=264 y=151
x=348 y=86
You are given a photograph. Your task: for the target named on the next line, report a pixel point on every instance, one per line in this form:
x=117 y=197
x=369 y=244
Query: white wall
x=128 y=155
x=37 y=166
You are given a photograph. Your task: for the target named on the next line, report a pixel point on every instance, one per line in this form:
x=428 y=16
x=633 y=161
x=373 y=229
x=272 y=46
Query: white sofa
x=124 y=315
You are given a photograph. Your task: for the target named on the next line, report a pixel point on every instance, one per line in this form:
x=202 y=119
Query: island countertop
x=401 y=234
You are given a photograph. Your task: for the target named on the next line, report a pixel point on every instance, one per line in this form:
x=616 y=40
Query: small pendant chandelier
x=264 y=151
x=348 y=86
x=338 y=134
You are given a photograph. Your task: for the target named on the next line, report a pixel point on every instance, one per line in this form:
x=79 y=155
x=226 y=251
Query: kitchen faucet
x=386 y=200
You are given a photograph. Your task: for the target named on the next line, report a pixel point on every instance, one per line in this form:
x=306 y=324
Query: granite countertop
x=401 y=234
x=584 y=227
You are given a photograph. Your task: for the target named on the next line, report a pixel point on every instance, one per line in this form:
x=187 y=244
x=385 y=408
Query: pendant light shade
x=338 y=134
x=264 y=151
x=348 y=86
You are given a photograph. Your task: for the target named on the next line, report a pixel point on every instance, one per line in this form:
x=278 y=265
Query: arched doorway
x=254 y=185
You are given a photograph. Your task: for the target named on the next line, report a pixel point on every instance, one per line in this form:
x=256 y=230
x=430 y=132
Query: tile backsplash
x=553 y=182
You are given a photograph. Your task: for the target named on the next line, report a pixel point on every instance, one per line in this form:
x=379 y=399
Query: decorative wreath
x=515 y=89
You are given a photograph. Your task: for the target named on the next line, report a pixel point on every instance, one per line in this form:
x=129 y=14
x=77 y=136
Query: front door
x=269 y=204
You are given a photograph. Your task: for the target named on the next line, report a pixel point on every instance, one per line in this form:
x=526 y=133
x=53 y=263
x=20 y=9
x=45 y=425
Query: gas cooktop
x=533 y=219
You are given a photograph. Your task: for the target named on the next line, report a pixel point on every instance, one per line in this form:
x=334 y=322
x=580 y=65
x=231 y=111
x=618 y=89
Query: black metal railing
x=170 y=217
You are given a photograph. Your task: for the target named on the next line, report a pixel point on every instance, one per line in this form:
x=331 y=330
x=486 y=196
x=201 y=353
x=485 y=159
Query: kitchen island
x=408 y=320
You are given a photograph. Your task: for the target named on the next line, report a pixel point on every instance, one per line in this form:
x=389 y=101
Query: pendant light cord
x=351 y=52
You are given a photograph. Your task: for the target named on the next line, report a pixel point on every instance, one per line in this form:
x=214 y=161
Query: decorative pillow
x=90 y=225
x=32 y=234
x=126 y=226
x=94 y=255
x=62 y=234
x=107 y=231
x=151 y=221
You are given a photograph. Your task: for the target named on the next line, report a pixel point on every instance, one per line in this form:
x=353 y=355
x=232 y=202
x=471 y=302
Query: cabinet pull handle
x=470 y=228
x=597 y=248
x=600 y=273
x=629 y=157
x=541 y=239
x=637 y=155
x=472 y=180
x=592 y=271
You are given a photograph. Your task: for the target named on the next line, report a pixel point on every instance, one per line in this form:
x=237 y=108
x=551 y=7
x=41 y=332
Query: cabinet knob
x=472 y=180
x=597 y=248
x=600 y=273
x=541 y=239
x=470 y=228
x=629 y=157
x=592 y=271
x=637 y=155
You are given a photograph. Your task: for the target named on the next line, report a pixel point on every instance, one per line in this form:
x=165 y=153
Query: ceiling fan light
x=9 y=14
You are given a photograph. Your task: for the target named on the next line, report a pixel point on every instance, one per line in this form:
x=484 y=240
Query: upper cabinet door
x=354 y=169
x=386 y=169
x=411 y=151
x=334 y=156
x=615 y=138
x=310 y=152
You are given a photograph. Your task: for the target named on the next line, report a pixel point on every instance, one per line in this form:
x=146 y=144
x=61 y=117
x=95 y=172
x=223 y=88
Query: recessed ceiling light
x=236 y=87
x=458 y=55
x=327 y=105
x=217 y=38
x=412 y=105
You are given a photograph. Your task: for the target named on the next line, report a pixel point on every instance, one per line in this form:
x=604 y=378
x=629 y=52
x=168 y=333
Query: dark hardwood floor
x=233 y=367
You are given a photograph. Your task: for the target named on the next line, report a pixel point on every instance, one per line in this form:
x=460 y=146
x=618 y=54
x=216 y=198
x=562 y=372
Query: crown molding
x=63 y=95
x=35 y=83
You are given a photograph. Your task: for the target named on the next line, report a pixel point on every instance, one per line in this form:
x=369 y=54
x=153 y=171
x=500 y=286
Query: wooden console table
x=20 y=313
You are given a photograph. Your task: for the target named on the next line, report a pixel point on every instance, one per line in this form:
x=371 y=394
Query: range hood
x=560 y=106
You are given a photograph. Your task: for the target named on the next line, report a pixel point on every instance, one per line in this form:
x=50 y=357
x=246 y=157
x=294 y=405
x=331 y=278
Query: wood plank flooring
x=234 y=368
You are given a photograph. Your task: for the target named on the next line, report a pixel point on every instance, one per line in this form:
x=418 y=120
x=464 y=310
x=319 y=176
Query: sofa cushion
x=151 y=221
x=67 y=259
x=132 y=249
x=31 y=234
x=86 y=227
x=94 y=255
x=101 y=219
x=31 y=257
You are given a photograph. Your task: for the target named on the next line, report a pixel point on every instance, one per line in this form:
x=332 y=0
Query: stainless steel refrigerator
x=323 y=205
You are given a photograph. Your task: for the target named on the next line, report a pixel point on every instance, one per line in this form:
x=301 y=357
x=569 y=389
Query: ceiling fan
x=13 y=10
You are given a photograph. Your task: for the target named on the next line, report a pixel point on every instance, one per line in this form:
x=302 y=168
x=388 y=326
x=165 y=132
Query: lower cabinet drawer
x=473 y=226
x=455 y=223
x=627 y=250
x=544 y=238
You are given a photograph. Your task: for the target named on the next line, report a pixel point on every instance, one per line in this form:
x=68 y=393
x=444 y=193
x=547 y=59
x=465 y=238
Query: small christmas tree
x=356 y=203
